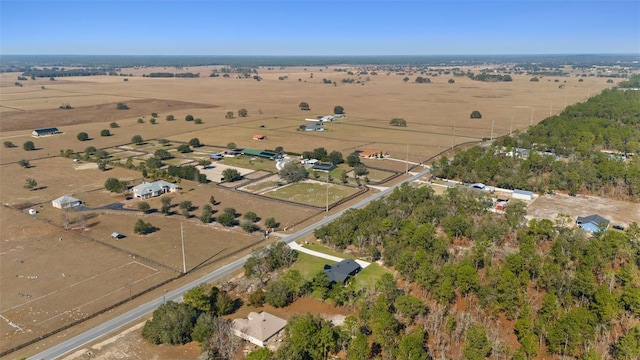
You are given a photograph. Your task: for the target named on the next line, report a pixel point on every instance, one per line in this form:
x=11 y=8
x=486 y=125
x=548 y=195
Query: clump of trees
x=423 y=80
x=143 y=228
x=30 y=184
x=293 y=173
x=398 y=122
x=198 y=318
x=122 y=106
x=231 y=175
x=83 y=136
x=28 y=146
x=338 y=110
x=115 y=185
x=304 y=106
x=475 y=114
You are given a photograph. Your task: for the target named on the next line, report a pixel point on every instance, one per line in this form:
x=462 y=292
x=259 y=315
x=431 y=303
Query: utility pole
x=511 y=129
x=491 y=129
x=184 y=259
x=327 y=209
x=406 y=168
x=453 y=145
x=532 y=110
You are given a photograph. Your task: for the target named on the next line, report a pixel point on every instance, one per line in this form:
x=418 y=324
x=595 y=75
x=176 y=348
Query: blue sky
x=318 y=27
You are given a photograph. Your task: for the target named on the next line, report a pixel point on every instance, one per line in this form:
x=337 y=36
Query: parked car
x=618 y=227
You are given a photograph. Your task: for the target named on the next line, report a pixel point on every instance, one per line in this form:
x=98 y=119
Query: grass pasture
x=312 y=193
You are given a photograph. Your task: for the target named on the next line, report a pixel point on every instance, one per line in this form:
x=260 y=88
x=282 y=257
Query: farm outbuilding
x=323 y=166
x=45 y=131
x=65 y=202
x=262 y=153
x=259 y=137
x=522 y=194
x=258 y=328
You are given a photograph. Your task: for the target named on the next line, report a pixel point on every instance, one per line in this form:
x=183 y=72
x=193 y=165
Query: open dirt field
x=618 y=212
x=51 y=277
x=437 y=114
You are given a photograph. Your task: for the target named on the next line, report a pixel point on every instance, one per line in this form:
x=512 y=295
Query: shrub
x=9 y=144
x=143 y=228
x=83 y=136
x=271 y=223
x=137 y=139
x=170 y=118
x=475 y=114
x=188 y=118
x=24 y=163
x=140 y=121
x=197 y=121
x=122 y=106
x=29 y=146
x=105 y=132
x=114 y=125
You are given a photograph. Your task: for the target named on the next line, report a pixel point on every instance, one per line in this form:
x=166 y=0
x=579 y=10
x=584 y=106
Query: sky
x=348 y=27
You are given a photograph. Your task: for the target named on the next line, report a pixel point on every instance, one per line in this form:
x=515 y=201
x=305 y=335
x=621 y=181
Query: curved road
x=175 y=295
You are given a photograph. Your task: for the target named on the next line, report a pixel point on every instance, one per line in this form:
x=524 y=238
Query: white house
x=156 y=188
x=66 y=201
x=258 y=328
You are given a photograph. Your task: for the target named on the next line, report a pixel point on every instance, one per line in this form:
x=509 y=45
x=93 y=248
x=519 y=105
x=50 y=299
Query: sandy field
x=618 y=212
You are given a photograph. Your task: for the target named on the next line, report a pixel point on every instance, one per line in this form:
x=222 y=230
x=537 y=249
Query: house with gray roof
x=592 y=223
x=340 y=272
x=156 y=188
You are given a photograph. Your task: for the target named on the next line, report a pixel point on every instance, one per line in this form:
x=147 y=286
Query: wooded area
x=590 y=147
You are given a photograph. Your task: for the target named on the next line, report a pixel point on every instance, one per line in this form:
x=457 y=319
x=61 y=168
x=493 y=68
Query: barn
x=45 y=131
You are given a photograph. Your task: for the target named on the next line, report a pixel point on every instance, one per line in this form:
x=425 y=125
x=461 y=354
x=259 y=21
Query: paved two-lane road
x=175 y=295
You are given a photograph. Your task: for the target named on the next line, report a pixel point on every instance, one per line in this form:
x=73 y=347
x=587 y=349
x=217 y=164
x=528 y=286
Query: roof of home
x=153 y=187
x=593 y=219
x=260 y=326
x=323 y=166
x=65 y=199
x=339 y=272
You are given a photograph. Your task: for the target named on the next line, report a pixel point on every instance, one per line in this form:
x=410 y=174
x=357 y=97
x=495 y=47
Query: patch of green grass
x=309 y=265
x=249 y=162
x=311 y=193
x=368 y=277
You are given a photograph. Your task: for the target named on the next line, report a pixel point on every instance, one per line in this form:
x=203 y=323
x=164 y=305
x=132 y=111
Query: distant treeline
x=22 y=62
x=59 y=72
x=170 y=75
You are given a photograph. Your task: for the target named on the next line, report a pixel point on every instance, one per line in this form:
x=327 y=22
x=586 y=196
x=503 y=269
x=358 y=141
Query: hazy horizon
x=319 y=28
